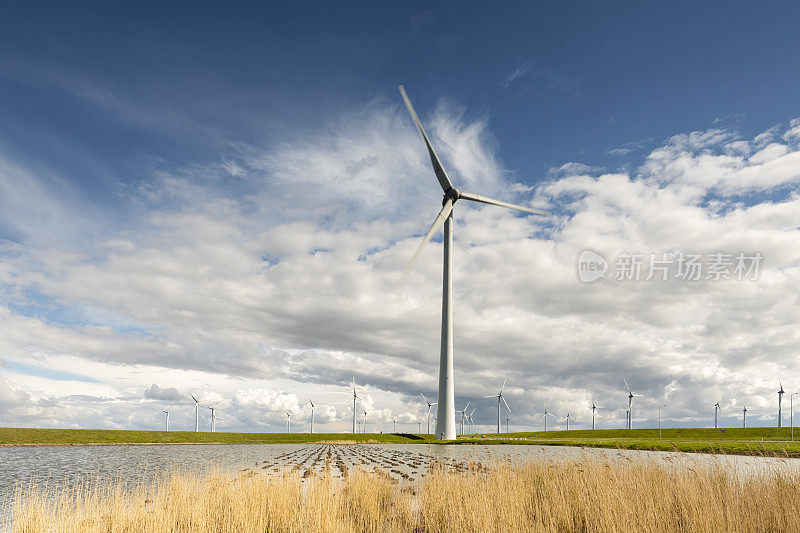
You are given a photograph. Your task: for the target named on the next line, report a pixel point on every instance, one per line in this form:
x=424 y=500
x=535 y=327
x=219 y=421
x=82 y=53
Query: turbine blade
x=193 y=398
x=626 y=386
x=492 y=396
x=492 y=201
x=424 y=398
x=504 y=386
x=505 y=402
x=440 y=218
x=441 y=175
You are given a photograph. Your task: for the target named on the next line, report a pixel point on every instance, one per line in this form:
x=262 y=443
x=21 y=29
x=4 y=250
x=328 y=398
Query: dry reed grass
x=585 y=495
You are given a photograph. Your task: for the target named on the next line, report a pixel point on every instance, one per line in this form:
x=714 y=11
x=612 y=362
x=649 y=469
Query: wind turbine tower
x=780 y=399
x=445 y=419
x=166 y=420
x=568 y=418
x=744 y=417
x=716 y=412
x=288 y=422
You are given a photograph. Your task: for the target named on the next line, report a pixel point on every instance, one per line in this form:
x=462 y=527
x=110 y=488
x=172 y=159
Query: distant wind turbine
x=544 y=417
x=568 y=418
x=166 y=420
x=631 y=396
x=463 y=414
x=469 y=419
x=312 y=415
x=499 y=399
x=429 y=410
x=288 y=422
x=213 y=419
x=196 y=413
x=780 y=399
x=445 y=419
x=594 y=408
x=355 y=399
x=744 y=416
x=717 y=409
x=365 y=420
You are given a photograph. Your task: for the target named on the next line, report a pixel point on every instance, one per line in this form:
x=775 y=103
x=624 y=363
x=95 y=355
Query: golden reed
x=583 y=495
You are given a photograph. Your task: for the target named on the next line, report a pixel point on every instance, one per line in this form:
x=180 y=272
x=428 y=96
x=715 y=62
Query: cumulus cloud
x=170 y=394
x=291 y=284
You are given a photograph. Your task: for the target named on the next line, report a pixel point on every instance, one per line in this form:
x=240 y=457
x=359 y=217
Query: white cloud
x=293 y=285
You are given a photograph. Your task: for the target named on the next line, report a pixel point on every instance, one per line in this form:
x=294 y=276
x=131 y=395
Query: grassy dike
x=750 y=441
x=72 y=437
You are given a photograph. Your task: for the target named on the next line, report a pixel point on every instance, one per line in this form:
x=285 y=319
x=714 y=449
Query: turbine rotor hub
x=451 y=194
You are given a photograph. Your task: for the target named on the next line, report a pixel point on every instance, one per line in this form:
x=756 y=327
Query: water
x=66 y=466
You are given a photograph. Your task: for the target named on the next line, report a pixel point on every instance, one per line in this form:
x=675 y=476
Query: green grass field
x=753 y=441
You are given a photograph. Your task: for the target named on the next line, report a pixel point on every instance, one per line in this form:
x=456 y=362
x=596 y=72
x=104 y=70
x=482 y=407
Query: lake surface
x=66 y=466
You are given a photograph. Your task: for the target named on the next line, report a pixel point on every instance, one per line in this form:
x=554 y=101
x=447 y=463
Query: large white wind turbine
x=166 y=421
x=631 y=396
x=445 y=419
x=499 y=398
x=429 y=410
x=196 y=413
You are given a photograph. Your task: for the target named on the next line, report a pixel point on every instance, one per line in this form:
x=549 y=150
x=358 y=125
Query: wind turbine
x=717 y=409
x=544 y=417
x=429 y=410
x=288 y=422
x=355 y=398
x=631 y=396
x=499 y=398
x=445 y=419
x=213 y=419
x=463 y=414
x=469 y=419
x=568 y=418
x=507 y=419
x=594 y=408
x=166 y=421
x=196 y=414
x=780 y=399
x=312 y=415
x=395 y=425
x=365 y=420
x=744 y=416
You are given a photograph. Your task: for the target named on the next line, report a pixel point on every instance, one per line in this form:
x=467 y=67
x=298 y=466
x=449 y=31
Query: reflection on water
x=65 y=466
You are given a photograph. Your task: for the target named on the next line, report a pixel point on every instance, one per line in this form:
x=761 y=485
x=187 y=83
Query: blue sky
x=151 y=157
x=103 y=95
